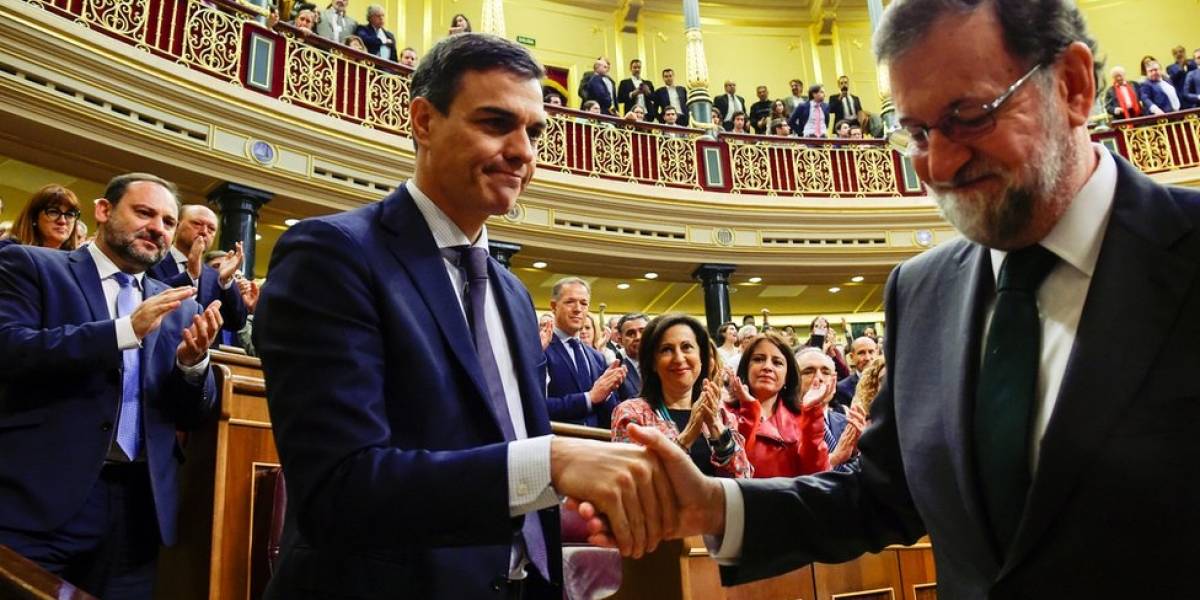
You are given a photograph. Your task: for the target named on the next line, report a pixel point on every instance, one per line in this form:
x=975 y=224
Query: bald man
x=184 y=265
x=863 y=350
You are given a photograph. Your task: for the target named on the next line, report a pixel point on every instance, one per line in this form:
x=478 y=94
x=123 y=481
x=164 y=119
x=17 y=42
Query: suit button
x=498 y=584
x=106 y=426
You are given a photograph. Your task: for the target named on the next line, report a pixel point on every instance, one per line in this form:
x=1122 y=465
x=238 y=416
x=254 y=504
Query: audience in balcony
x=591 y=106
x=353 y=41
x=674 y=96
x=630 y=91
x=460 y=24
x=553 y=99
x=1158 y=95
x=680 y=398
x=844 y=106
x=780 y=127
x=739 y=124
x=48 y=220
x=797 y=96
x=1191 y=85
x=717 y=119
x=1123 y=99
x=856 y=131
x=778 y=110
x=809 y=119
x=779 y=413
x=408 y=57
x=760 y=110
x=841 y=129
x=334 y=24
x=1146 y=60
x=600 y=87
x=636 y=115
x=305 y=21
x=378 y=40
x=729 y=103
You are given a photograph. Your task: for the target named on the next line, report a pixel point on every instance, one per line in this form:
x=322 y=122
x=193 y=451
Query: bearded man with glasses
x=1041 y=460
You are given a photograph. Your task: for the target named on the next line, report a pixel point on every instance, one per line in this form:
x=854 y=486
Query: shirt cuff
x=194 y=374
x=529 y=476
x=726 y=549
x=126 y=338
x=228 y=284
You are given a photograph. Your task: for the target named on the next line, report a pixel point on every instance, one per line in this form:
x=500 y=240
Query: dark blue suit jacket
x=1115 y=468
x=845 y=393
x=373 y=41
x=632 y=386
x=233 y=310
x=1152 y=96
x=800 y=117
x=396 y=465
x=1190 y=94
x=567 y=391
x=60 y=387
x=599 y=92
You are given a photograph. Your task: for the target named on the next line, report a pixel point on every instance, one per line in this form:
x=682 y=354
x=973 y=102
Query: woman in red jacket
x=785 y=436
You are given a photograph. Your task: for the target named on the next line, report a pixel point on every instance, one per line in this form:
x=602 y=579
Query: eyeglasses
x=963 y=124
x=55 y=214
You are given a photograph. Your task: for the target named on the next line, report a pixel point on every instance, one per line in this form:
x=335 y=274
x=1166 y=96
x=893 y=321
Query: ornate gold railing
x=227 y=41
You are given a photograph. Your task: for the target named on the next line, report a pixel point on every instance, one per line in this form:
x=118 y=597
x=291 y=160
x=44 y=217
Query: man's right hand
x=195 y=259
x=607 y=383
x=149 y=314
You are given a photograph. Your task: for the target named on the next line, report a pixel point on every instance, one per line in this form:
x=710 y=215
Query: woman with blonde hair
x=48 y=220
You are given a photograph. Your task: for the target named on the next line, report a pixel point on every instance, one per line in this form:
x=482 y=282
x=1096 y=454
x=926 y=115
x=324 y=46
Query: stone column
x=699 y=103
x=492 y=20
x=716 y=294
x=503 y=252
x=238 y=206
x=887 y=111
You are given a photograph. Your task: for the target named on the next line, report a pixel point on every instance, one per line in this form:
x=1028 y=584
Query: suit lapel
x=963 y=294
x=152 y=287
x=1136 y=274
x=88 y=278
x=417 y=253
x=525 y=349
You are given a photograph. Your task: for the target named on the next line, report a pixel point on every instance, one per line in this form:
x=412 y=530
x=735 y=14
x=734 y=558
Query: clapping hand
x=230 y=263
x=546 y=333
x=856 y=421
x=738 y=392
x=607 y=383
x=816 y=395
x=249 y=291
x=199 y=335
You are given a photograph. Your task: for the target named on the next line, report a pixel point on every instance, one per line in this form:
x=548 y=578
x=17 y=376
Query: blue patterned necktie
x=129 y=419
x=475 y=262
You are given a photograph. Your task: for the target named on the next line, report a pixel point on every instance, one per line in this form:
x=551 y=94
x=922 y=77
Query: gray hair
x=812 y=350
x=1035 y=31
x=373 y=10
x=556 y=291
x=747 y=331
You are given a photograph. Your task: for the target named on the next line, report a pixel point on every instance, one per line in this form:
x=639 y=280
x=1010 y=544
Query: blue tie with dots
x=129 y=420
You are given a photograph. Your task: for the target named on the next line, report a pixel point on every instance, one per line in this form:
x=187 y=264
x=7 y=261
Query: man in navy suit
x=99 y=366
x=600 y=87
x=811 y=119
x=184 y=264
x=582 y=388
x=672 y=95
x=862 y=351
x=1040 y=462
x=629 y=335
x=1158 y=95
x=406 y=379
x=379 y=41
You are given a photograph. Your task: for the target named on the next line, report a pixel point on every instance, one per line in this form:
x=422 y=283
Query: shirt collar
x=1077 y=237
x=562 y=335
x=106 y=267
x=178 y=255
x=444 y=231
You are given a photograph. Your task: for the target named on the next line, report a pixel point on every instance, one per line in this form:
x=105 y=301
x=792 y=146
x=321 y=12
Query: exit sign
x=528 y=41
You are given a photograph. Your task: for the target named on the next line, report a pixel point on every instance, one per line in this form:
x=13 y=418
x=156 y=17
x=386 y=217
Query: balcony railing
x=226 y=40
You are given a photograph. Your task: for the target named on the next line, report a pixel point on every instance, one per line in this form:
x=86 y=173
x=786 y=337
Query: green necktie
x=1007 y=388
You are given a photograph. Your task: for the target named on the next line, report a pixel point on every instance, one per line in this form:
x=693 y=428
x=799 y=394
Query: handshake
x=635 y=496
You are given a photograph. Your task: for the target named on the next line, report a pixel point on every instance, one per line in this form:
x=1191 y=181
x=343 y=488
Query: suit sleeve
x=320 y=334
x=25 y=346
x=233 y=310
x=833 y=517
x=794 y=120
x=189 y=405
x=571 y=407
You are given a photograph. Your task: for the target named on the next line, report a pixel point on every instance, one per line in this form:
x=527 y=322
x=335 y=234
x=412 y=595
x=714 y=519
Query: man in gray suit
x=1040 y=436
x=335 y=24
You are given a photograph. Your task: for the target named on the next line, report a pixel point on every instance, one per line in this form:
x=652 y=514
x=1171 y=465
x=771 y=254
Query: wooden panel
x=917 y=573
x=23 y=579
x=796 y=585
x=871 y=577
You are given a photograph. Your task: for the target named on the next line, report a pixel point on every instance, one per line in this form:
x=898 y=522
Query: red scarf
x=1130 y=110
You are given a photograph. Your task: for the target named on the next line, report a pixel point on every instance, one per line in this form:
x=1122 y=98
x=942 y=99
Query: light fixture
x=857 y=279
x=539 y=264
x=755 y=280
x=651 y=275
x=257 y=236
x=622 y=286
x=290 y=222
x=834 y=290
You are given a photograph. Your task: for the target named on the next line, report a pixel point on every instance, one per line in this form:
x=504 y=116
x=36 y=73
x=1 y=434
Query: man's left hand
x=200 y=335
x=230 y=263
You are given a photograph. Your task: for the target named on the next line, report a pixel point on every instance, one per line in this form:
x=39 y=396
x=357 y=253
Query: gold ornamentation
x=1148 y=147
x=874 y=169
x=213 y=41
x=751 y=166
x=123 y=17
x=387 y=101
x=308 y=76
x=677 y=160
x=612 y=152
x=814 y=174
x=552 y=148
x=695 y=61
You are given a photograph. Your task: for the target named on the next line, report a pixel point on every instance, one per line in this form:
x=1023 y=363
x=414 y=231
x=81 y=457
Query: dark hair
x=813 y=89
x=1035 y=31
x=1146 y=59
x=664 y=71
x=790 y=392
x=117 y=186
x=25 y=229
x=670 y=108
x=655 y=330
x=630 y=317
x=796 y=81
x=588 y=103
x=636 y=60
x=468 y=21
x=438 y=74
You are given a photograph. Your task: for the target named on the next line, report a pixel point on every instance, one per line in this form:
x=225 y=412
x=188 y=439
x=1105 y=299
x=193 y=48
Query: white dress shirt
x=528 y=458
x=734 y=106
x=1076 y=241
x=673 y=98
x=385 y=52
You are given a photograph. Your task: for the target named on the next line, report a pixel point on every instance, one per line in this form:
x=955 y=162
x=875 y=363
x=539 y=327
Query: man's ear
x=103 y=210
x=421 y=113
x=1077 y=75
